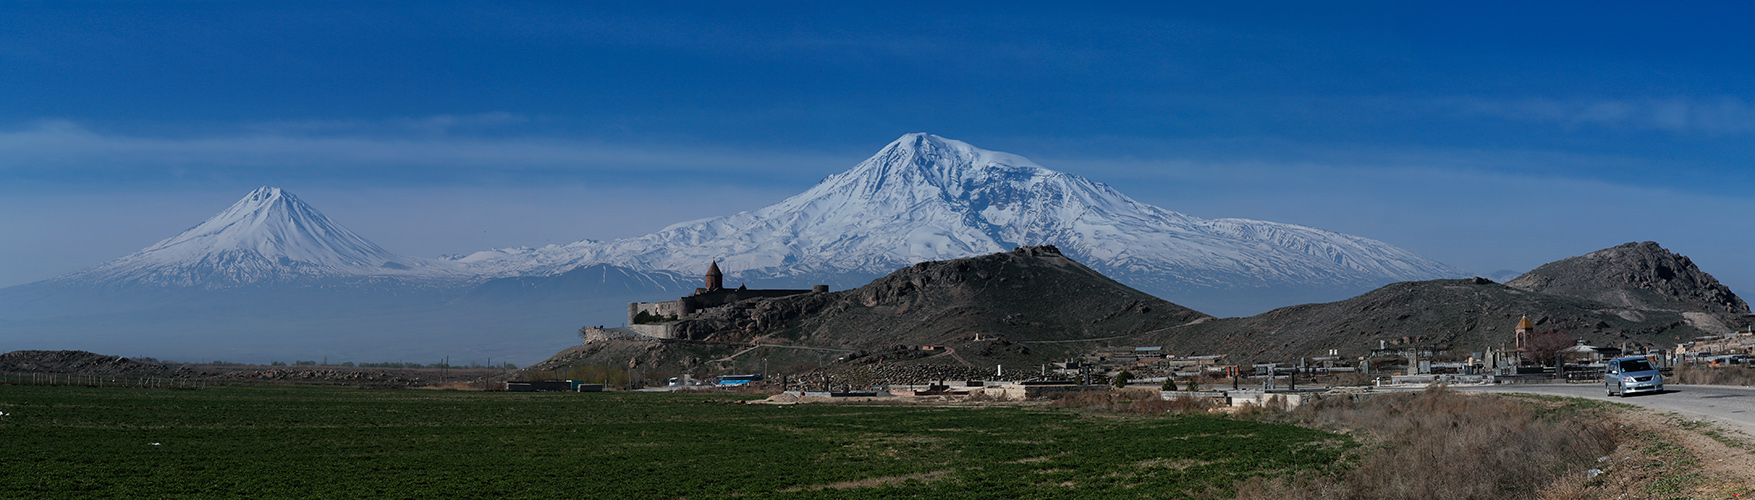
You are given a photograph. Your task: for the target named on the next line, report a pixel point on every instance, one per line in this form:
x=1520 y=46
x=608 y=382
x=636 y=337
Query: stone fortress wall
x=708 y=297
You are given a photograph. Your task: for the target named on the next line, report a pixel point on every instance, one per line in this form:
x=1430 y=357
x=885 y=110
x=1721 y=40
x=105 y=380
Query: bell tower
x=1523 y=331
x=715 y=279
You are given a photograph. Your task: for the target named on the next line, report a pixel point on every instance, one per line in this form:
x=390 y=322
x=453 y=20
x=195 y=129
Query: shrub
x=1441 y=444
x=1122 y=378
x=1169 y=384
x=1713 y=375
x=1547 y=344
x=646 y=318
x=1085 y=399
x=1179 y=403
x=1142 y=401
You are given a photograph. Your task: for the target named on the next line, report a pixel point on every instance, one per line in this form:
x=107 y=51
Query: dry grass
x=1274 y=405
x=981 y=397
x=1139 y=401
x=1347 y=379
x=1713 y=375
x=459 y=386
x=1442 y=445
x=926 y=477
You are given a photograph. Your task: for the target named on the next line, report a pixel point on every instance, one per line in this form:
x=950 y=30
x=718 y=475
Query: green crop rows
x=319 y=442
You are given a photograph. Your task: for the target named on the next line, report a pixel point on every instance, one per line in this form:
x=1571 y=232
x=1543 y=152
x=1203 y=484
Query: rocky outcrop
x=84 y=363
x=1641 y=276
x=87 y=363
x=1022 y=307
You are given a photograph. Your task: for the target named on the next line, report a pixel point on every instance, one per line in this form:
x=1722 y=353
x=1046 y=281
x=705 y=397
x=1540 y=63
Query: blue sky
x=1487 y=136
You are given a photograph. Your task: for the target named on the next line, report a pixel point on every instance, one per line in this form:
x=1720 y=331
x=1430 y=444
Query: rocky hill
x=1458 y=315
x=1027 y=294
x=1020 y=308
x=1632 y=294
x=1634 y=275
x=1032 y=305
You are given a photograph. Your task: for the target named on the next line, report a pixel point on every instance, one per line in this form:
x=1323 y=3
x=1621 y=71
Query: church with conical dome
x=658 y=319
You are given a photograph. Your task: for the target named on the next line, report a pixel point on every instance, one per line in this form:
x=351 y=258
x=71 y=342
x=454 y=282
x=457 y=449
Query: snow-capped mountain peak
x=277 y=225
x=924 y=197
x=269 y=235
x=923 y=160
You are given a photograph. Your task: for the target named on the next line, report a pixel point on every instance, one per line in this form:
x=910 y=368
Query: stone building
x=655 y=319
x=1523 y=331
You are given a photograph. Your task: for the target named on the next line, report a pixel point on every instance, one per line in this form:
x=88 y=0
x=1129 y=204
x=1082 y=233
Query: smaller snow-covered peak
x=277 y=225
x=268 y=235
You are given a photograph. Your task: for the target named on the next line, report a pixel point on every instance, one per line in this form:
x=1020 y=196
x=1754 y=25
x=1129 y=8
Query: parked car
x=1623 y=376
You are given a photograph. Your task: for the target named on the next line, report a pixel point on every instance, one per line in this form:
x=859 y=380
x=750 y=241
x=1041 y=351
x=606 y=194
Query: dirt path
x=953 y=352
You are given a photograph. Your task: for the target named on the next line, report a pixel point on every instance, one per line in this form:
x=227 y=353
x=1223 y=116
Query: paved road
x=1732 y=406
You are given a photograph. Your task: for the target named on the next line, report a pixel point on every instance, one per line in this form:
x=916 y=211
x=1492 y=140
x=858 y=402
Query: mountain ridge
x=924 y=198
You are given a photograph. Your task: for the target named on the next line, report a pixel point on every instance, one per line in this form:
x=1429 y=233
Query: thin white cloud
x=1724 y=115
x=441 y=142
x=427 y=126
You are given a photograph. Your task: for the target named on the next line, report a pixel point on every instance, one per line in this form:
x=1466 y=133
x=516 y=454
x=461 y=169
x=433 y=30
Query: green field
x=321 y=442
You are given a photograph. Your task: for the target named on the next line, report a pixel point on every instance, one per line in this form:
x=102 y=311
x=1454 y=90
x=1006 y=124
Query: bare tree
x=1546 y=344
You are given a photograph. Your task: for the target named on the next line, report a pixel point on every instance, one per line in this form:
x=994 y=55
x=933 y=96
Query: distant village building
x=1717 y=345
x=657 y=319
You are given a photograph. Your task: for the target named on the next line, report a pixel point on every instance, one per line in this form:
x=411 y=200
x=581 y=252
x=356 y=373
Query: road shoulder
x=1666 y=455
